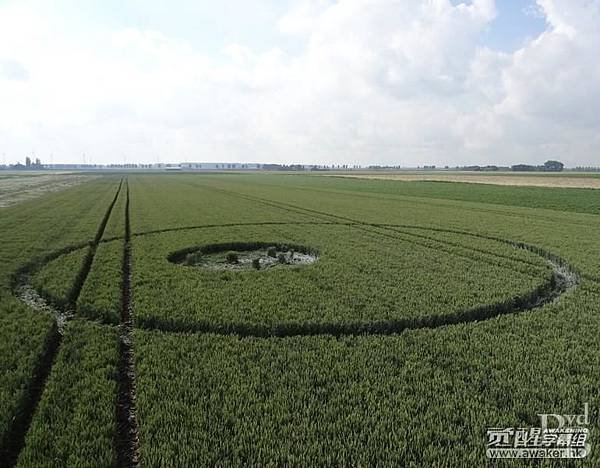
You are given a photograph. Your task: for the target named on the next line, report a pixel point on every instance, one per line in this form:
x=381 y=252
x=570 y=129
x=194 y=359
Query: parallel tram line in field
x=391 y=227
x=401 y=229
x=399 y=232
x=123 y=440
x=22 y=420
x=561 y=279
x=406 y=233
x=546 y=292
x=440 y=203
x=127 y=443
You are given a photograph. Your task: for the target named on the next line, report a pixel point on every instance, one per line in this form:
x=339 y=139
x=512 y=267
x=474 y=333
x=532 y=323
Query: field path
x=128 y=442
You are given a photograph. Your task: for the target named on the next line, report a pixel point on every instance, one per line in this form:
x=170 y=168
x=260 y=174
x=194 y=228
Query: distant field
x=16 y=187
x=563 y=180
x=129 y=333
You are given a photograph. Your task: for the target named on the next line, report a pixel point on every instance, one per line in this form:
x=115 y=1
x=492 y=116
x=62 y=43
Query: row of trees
x=548 y=166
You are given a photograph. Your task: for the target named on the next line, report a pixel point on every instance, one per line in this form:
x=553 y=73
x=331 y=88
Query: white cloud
x=386 y=81
x=13 y=70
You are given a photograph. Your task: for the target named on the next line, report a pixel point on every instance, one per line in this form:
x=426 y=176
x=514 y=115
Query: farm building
x=219 y=166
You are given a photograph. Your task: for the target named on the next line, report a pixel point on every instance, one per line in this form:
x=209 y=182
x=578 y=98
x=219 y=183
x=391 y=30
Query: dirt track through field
x=128 y=443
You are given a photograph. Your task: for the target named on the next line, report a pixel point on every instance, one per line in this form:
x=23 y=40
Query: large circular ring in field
x=369 y=279
x=379 y=279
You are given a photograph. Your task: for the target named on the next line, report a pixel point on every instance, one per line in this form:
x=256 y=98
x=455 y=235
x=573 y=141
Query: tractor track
x=398 y=232
x=15 y=441
x=128 y=442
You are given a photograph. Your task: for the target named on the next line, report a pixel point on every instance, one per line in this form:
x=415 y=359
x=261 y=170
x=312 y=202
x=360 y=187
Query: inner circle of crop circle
x=239 y=256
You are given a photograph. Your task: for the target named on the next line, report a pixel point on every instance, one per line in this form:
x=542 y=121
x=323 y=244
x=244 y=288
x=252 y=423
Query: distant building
x=185 y=166
x=202 y=166
x=74 y=166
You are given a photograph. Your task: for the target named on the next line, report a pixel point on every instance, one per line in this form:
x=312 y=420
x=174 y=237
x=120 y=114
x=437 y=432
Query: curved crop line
x=560 y=281
x=179 y=255
x=357 y=223
x=324 y=215
x=562 y=278
x=580 y=274
x=264 y=223
x=35 y=265
x=374 y=225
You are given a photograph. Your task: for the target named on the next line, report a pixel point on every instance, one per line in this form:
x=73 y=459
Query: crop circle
x=240 y=256
x=355 y=287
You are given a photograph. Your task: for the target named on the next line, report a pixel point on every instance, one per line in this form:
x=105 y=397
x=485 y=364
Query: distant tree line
x=283 y=167
x=485 y=168
x=302 y=167
x=586 y=169
x=380 y=168
x=548 y=166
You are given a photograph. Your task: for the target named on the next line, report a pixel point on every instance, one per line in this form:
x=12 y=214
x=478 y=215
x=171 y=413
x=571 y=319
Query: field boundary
x=520 y=179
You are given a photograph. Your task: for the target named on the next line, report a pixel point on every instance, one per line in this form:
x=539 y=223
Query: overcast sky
x=408 y=82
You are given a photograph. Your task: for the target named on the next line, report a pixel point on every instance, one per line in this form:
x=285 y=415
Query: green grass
x=74 y=423
x=100 y=297
x=422 y=399
x=359 y=280
x=32 y=230
x=23 y=336
x=55 y=280
x=560 y=199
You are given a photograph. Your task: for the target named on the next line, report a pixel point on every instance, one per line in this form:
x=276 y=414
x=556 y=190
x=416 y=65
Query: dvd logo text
x=564 y=420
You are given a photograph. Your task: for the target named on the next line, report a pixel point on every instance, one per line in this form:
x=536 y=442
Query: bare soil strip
x=516 y=180
x=22 y=421
x=127 y=443
x=37 y=302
